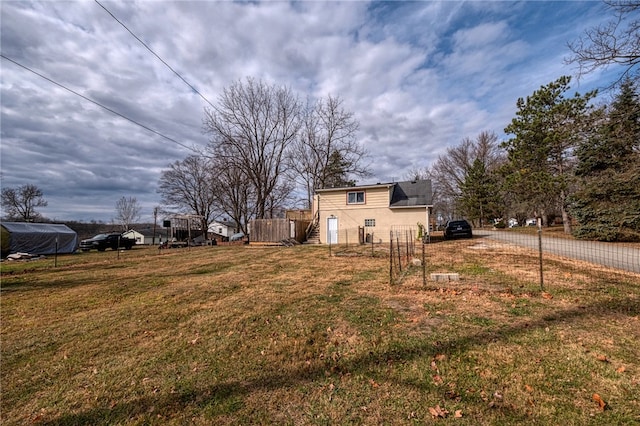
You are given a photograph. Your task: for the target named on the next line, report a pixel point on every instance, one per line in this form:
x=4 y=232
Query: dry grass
x=244 y=335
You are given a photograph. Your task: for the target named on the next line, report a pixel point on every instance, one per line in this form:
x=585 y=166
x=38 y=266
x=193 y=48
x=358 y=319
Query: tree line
x=565 y=158
x=264 y=143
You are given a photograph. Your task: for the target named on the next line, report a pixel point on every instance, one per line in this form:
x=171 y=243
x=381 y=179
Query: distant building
x=146 y=236
x=222 y=230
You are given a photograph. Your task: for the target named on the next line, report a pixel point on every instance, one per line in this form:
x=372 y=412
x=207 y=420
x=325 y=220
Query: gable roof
x=415 y=193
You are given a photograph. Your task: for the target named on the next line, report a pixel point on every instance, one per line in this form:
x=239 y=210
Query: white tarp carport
x=40 y=238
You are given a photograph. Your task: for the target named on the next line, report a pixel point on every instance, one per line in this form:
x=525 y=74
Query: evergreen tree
x=547 y=128
x=479 y=194
x=607 y=205
x=335 y=173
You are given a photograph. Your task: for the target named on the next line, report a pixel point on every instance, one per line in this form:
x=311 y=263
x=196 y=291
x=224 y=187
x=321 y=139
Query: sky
x=419 y=77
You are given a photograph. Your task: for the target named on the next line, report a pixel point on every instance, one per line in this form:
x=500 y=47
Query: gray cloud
x=419 y=76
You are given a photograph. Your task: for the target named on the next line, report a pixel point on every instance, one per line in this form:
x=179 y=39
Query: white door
x=332 y=230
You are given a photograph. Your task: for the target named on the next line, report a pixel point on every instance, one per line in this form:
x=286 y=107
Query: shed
x=139 y=237
x=40 y=238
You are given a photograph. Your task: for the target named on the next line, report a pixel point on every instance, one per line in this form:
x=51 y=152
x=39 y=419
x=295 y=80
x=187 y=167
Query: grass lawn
x=245 y=335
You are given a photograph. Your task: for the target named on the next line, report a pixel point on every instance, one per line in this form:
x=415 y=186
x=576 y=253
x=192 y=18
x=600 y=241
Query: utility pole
x=155 y=223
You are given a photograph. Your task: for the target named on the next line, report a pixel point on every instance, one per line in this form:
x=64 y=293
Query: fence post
x=391 y=258
x=399 y=252
x=406 y=236
x=540 y=252
x=372 y=251
x=424 y=267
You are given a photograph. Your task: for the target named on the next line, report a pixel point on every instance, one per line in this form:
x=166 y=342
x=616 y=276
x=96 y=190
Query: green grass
x=238 y=335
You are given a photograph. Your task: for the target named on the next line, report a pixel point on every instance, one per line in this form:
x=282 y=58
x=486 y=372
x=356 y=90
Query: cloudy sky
x=419 y=77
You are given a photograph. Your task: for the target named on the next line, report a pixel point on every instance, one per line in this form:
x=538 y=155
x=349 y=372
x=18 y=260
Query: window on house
x=355 y=197
x=369 y=222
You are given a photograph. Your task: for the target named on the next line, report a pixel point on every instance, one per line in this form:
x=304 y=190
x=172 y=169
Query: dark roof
x=148 y=232
x=412 y=194
x=34 y=228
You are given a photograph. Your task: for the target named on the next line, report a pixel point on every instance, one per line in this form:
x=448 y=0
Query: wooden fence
x=277 y=230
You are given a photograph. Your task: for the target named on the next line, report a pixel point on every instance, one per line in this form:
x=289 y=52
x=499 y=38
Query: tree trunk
x=566 y=220
x=545 y=219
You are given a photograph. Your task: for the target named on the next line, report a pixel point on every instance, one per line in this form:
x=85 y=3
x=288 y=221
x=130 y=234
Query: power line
x=96 y=103
x=154 y=53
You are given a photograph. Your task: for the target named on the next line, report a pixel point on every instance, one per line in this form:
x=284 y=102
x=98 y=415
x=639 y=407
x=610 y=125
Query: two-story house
x=372 y=212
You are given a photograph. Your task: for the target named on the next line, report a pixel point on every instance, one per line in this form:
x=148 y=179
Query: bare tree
x=251 y=129
x=127 y=212
x=419 y=173
x=187 y=186
x=21 y=203
x=615 y=43
x=451 y=170
x=326 y=151
x=233 y=193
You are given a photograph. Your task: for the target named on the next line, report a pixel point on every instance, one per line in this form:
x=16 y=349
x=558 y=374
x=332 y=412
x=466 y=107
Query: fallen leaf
x=546 y=295
x=440 y=357
x=452 y=394
x=621 y=369
x=438 y=412
x=437 y=379
x=602 y=358
x=458 y=414
x=528 y=388
x=598 y=400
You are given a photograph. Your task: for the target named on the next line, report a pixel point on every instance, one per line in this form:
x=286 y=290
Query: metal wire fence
x=539 y=256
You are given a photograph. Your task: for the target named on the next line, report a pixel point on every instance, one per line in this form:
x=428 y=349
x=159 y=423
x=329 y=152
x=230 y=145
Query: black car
x=457 y=228
x=101 y=242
